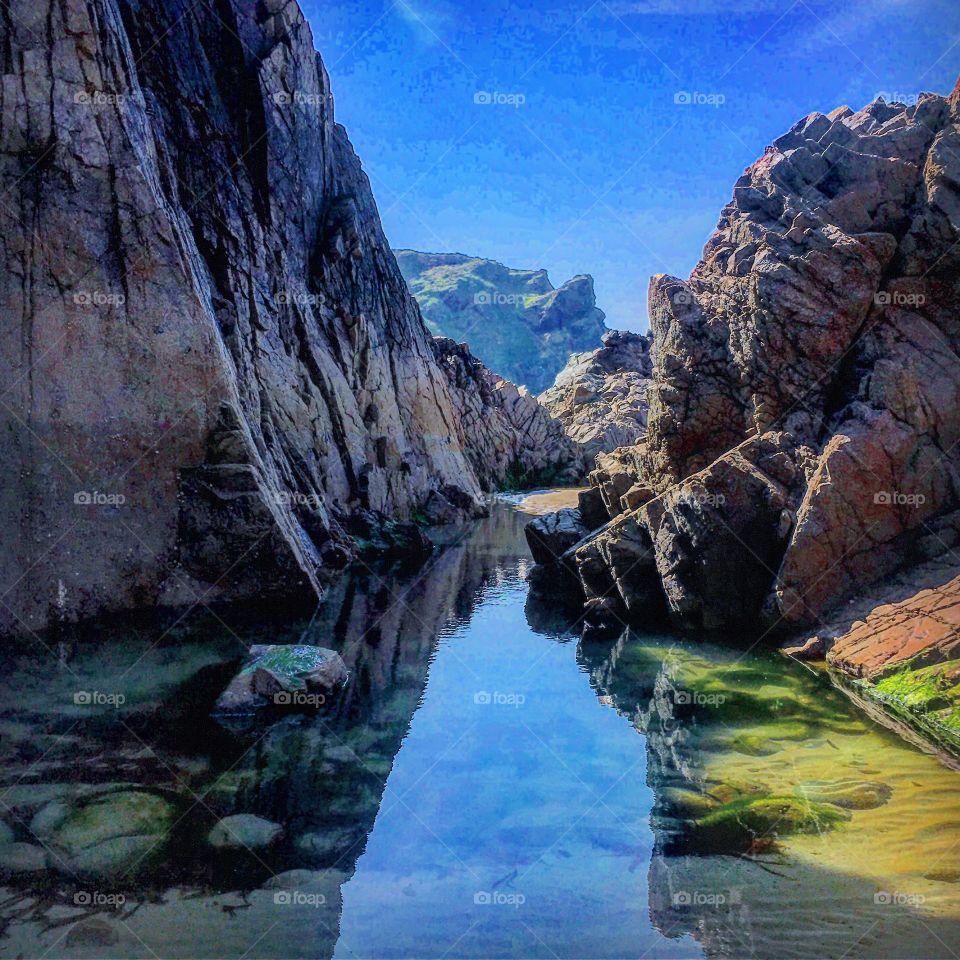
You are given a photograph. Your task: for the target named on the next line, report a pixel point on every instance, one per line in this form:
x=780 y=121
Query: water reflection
x=489 y=784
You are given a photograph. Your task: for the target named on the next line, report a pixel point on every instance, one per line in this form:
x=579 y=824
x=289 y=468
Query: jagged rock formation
x=510 y=439
x=210 y=359
x=804 y=424
x=514 y=320
x=600 y=397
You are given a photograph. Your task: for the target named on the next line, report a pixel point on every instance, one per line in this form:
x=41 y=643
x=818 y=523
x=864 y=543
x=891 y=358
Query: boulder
x=114 y=834
x=17 y=859
x=244 y=831
x=283 y=677
x=553 y=534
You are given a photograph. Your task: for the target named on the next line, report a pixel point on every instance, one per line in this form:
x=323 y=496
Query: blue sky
x=585 y=163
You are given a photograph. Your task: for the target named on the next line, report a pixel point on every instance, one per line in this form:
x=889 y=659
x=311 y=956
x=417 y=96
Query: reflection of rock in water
x=320 y=777
x=732 y=881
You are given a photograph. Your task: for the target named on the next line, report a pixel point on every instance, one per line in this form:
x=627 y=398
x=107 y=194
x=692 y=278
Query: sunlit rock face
x=600 y=397
x=210 y=358
x=803 y=425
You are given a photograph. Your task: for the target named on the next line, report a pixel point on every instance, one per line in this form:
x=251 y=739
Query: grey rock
x=553 y=534
x=114 y=834
x=291 y=676
x=22 y=858
x=600 y=397
x=808 y=373
x=212 y=358
x=244 y=831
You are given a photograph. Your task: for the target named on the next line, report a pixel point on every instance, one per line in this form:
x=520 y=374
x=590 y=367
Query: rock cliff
x=600 y=397
x=210 y=359
x=514 y=320
x=804 y=425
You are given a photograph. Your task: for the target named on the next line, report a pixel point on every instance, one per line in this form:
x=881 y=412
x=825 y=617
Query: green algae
x=927 y=698
x=749 y=822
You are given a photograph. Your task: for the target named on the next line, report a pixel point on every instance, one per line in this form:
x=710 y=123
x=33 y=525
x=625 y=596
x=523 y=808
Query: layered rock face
x=600 y=397
x=210 y=358
x=804 y=424
x=514 y=320
x=510 y=439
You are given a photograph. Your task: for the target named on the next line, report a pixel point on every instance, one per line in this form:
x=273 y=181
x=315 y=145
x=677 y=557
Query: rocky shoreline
x=801 y=456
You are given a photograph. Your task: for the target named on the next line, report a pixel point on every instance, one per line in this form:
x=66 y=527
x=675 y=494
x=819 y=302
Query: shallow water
x=489 y=785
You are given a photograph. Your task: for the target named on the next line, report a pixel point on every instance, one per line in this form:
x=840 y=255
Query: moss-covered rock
x=750 y=822
x=115 y=834
x=849 y=794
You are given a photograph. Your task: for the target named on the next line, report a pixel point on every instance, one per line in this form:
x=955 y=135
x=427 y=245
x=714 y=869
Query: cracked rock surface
x=804 y=422
x=210 y=360
x=600 y=396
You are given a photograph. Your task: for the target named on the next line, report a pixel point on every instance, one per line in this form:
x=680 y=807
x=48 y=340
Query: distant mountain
x=515 y=321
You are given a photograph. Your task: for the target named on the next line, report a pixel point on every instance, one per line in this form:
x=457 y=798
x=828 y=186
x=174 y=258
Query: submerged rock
x=758 y=822
x=283 y=677
x=244 y=831
x=849 y=794
x=17 y=859
x=114 y=834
